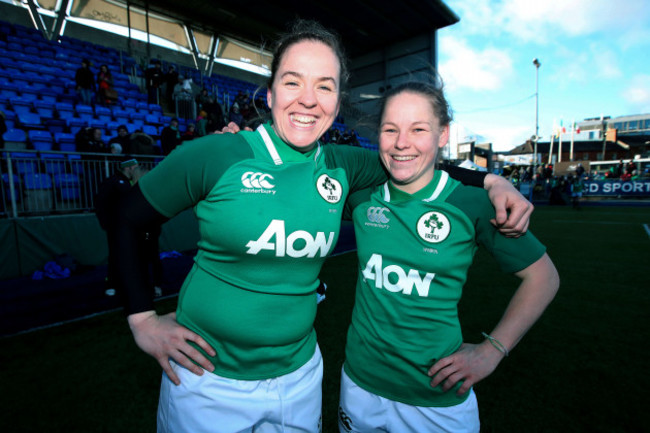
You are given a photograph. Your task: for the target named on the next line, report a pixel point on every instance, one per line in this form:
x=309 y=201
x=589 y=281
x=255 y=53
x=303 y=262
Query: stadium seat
x=76 y=165
x=66 y=142
x=153 y=119
x=41 y=140
x=103 y=113
x=84 y=112
x=65 y=110
x=38 y=192
x=6 y=184
x=30 y=121
x=15 y=139
x=47 y=94
x=21 y=105
x=55 y=163
x=75 y=124
x=150 y=130
x=55 y=125
x=25 y=162
x=44 y=109
x=121 y=116
x=67 y=185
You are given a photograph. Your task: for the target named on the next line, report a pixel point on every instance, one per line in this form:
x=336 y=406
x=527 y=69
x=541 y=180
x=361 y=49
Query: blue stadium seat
x=153 y=119
x=25 y=162
x=66 y=142
x=21 y=105
x=67 y=185
x=150 y=130
x=121 y=116
x=38 y=192
x=65 y=110
x=75 y=124
x=47 y=94
x=30 y=121
x=37 y=181
x=15 y=139
x=84 y=112
x=55 y=163
x=104 y=113
x=44 y=109
x=55 y=125
x=7 y=187
x=41 y=140
x=155 y=108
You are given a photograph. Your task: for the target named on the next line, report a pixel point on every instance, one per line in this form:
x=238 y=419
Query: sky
x=594 y=55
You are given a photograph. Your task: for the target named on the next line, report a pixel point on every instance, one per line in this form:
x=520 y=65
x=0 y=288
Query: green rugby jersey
x=414 y=253
x=268 y=217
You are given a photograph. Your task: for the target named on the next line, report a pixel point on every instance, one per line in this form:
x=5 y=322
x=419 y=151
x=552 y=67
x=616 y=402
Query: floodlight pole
x=537 y=64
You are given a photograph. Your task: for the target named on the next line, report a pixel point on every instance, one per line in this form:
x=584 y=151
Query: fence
x=36 y=183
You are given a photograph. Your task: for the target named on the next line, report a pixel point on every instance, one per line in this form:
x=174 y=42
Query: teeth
x=308 y=120
x=403 y=158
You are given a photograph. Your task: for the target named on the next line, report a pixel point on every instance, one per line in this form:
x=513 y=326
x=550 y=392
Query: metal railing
x=37 y=183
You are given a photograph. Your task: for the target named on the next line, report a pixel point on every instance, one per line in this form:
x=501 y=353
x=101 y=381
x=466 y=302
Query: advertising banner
x=631 y=188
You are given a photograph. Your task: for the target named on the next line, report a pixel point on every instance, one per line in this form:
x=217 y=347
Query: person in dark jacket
x=170 y=136
x=107 y=202
x=85 y=81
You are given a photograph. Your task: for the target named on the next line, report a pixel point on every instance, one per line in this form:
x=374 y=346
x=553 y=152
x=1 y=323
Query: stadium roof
x=364 y=25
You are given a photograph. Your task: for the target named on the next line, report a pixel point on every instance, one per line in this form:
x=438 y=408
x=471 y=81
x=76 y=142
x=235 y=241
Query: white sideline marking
x=647 y=229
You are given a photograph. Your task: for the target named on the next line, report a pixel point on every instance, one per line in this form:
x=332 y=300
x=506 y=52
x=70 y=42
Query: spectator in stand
x=142 y=143
x=122 y=139
x=149 y=245
x=85 y=81
x=107 y=202
x=216 y=121
x=171 y=79
x=90 y=140
x=203 y=98
x=105 y=92
x=170 y=137
x=190 y=133
x=202 y=124
x=155 y=78
x=235 y=115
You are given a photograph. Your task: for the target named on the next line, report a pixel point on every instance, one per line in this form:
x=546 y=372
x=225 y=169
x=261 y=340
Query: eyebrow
x=299 y=75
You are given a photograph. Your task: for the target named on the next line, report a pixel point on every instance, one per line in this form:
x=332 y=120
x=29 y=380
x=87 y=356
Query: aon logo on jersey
x=298 y=244
x=405 y=281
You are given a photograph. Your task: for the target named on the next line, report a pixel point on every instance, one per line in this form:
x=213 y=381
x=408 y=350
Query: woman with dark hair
x=106 y=94
x=240 y=352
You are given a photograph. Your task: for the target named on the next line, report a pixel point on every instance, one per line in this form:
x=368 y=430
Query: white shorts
x=363 y=412
x=211 y=403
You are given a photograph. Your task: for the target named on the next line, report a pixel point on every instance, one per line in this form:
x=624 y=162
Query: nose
x=401 y=141
x=307 y=97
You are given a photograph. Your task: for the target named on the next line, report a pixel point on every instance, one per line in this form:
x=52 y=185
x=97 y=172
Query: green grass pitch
x=582 y=368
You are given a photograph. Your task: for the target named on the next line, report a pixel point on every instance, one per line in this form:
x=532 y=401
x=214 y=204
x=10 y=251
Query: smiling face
x=409 y=138
x=304 y=96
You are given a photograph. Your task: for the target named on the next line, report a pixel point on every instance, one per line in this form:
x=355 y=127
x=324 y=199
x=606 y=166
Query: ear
x=269 y=98
x=444 y=137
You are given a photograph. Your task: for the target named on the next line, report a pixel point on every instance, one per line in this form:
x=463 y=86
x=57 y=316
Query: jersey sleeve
x=512 y=254
x=465 y=176
x=186 y=175
x=361 y=166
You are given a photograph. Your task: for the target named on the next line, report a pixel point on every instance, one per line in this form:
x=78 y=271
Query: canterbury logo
x=257 y=180
x=376 y=215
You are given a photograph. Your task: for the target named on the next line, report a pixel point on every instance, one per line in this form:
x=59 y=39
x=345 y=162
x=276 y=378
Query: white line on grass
x=647 y=229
